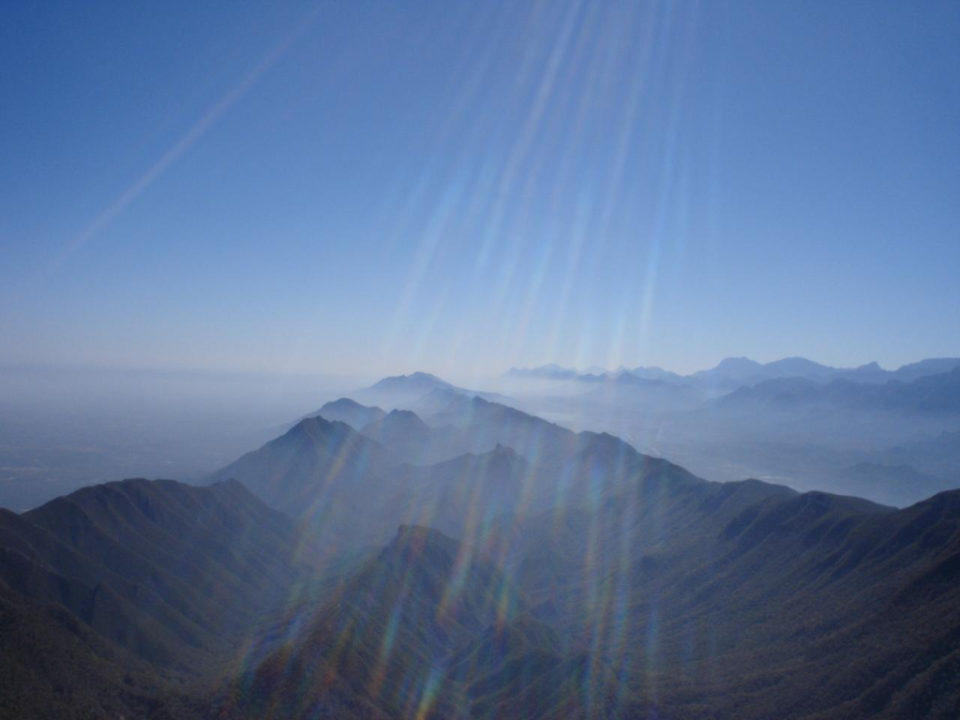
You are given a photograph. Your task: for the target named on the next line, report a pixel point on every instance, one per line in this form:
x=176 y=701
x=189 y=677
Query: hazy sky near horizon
x=378 y=187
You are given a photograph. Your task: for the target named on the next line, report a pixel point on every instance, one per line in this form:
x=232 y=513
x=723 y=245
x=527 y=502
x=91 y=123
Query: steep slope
x=125 y=585
x=323 y=472
x=566 y=468
x=54 y=666
x=737 y=600
x=348 y=487
x=411 y=440
x=376 y=648
x=637 y=590
x=488 y=424
x=677 y=598
x=463 y=496
x=427 y=629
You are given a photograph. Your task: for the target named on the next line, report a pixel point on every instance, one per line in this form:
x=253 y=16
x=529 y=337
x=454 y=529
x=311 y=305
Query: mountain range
x=790 y=421
x=354 y=486
x=732 y=373
x=939 y=393
x=476 y=562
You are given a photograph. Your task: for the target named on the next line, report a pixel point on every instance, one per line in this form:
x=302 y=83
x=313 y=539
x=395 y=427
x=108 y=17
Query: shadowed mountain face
x=110 y=590
x=690 y=597
x=375 y=648
x=323 y=472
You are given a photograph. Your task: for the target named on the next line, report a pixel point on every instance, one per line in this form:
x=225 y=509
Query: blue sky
x=378 y=187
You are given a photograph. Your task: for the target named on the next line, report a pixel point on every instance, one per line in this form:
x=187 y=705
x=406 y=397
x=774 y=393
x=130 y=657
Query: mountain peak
x=737 y=363
x=504 y=450
x=350 y=412
x=313 y=426
x=422 y=376
x=416 y=379
x=413 y=541
x=399 y=419
x=405 y=532
x=342 y=403
x=398 y=413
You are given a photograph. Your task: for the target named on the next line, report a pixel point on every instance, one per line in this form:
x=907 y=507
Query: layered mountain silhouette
x=930 y=394
x=732 y=373
x=476 y=561
x=792 y=421
x=406 y=391
x=354 y=486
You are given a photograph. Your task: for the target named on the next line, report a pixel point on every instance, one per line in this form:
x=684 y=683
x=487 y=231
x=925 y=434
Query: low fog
x=64 y=428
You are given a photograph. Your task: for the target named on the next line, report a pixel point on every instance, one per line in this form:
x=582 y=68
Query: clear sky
x=378 y=187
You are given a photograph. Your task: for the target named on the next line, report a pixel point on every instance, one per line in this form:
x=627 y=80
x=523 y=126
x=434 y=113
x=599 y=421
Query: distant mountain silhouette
x=907 y=373
x=403 y=433
x=732 y=373
x=404 y=391
x=927 y=394
x=547 y=372
x=939 y=455
x=656 y=373
x=900 y=484
x=350 y=412
x=629 y=392
x=325 y=473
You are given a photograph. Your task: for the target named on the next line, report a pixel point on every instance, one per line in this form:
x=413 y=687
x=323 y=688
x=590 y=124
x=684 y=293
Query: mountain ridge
x=733 y=372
